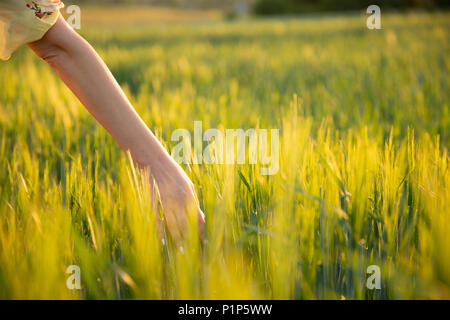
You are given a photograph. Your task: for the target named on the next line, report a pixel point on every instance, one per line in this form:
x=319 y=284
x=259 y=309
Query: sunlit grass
x=364 y=168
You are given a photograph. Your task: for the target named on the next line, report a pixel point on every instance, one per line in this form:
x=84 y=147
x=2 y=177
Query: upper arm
x=58 y=40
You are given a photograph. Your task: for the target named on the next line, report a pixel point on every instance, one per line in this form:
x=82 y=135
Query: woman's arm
x=85 y=73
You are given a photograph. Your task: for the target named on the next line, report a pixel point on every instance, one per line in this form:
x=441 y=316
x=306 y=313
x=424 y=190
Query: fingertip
x=202 y=215
x=201 y=224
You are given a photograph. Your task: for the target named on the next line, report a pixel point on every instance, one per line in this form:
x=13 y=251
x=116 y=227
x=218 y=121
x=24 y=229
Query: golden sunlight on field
x=363 y=180
x=123 y=14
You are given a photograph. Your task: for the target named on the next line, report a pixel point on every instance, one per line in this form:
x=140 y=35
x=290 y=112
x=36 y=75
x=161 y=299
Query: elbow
x=54 y=56
x=52 y=48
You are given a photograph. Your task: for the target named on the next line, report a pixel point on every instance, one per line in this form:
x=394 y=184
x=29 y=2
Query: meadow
x=364 y=175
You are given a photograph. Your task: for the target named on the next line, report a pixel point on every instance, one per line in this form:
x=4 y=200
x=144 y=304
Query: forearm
x=84 y=72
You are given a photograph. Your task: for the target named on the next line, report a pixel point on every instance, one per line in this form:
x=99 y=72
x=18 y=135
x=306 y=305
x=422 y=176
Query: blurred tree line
x=282 y=6
x=221 y=4
x=298 y=6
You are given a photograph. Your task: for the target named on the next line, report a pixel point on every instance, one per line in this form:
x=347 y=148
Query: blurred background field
x=119 y=15
x=364 y=177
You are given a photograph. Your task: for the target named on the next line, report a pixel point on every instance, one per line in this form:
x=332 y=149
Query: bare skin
x=85 y=73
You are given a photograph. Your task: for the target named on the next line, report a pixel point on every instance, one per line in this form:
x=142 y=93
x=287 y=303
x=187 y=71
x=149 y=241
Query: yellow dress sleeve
x=23 y=21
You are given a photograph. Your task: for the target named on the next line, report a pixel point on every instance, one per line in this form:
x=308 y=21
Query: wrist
x=149 y=153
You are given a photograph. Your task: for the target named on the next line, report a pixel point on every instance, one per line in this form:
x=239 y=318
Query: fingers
x=173 y=226
x=159 y=227
x=200 y=215
x=201 y=224
x=181 y=212
x=178 y=223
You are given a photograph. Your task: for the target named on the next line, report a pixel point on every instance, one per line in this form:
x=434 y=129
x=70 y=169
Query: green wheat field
x=364 y=177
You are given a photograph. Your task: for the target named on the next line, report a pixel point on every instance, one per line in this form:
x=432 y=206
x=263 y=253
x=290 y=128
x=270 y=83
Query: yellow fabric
x=20 y=24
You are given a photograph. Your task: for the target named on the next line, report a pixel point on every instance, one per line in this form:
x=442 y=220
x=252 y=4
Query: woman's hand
x=177 y=195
